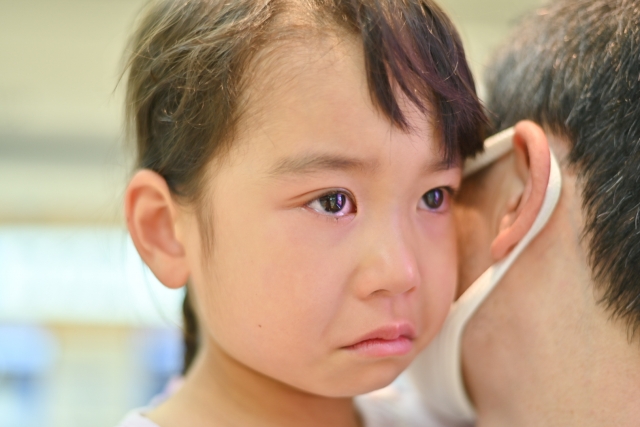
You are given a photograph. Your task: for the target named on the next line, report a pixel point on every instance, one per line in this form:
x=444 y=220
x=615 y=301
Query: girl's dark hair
x=190 y=61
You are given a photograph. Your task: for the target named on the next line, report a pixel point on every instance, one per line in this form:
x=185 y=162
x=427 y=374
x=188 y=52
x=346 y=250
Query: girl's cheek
x=441 y=266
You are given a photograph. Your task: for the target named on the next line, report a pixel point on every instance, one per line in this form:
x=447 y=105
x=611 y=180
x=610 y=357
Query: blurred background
x=86 y=332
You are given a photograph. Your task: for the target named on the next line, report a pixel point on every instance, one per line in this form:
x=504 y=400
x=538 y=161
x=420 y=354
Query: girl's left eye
x=336 y=203
x=435 y=199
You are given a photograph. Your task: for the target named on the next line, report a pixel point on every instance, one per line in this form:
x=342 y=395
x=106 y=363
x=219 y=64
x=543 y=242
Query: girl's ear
x=151 y=217
x=530 y=175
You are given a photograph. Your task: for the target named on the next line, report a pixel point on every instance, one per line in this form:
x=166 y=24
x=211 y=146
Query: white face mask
x=437 y=371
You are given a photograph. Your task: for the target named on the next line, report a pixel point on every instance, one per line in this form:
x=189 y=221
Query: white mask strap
x=437 y=371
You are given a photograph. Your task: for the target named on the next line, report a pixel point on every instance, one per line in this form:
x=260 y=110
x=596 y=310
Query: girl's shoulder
x=397 y=405
x=136 y=417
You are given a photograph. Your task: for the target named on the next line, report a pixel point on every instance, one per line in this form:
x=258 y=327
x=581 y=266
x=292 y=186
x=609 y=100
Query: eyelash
x=332 y=199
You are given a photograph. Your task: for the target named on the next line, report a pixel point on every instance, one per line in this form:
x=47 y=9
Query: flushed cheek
x=288 y=286
x=293 y=309
x=306 y=284
x=277 y=328
x=439 y=273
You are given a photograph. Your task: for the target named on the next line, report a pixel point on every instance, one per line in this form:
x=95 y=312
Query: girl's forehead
x=321 y=87
x=319 y=115
x=288 y=70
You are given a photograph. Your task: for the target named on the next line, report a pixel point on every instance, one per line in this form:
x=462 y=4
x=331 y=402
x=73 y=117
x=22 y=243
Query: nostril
x=399 y=280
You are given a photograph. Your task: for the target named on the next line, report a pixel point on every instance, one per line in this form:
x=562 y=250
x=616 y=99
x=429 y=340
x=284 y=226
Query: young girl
x=297 y=161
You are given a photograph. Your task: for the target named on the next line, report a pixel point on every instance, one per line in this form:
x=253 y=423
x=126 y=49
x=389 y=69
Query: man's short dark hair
x=574 y=68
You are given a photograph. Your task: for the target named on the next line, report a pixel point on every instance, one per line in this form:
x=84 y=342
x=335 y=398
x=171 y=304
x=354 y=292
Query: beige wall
x=61 y=151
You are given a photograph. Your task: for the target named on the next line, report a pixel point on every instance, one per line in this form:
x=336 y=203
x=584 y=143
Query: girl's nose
x=388 y=266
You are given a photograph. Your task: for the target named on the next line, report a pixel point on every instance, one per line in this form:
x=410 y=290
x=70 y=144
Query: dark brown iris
x=434 y=198
x=333 y=203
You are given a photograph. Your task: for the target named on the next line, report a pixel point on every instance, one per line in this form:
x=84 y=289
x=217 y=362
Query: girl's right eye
x=336 y=203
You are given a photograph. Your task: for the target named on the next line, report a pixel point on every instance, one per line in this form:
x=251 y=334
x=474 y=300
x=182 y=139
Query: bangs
x=412 y=46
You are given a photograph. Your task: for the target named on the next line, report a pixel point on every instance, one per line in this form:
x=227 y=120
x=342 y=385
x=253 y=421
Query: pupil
x=333 y=202
x=434 y=199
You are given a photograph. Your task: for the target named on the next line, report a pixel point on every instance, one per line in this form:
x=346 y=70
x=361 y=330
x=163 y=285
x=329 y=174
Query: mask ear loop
x=494 y=147
x=437 y=372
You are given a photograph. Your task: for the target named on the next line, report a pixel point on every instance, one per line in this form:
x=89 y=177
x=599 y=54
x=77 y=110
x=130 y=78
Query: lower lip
x=382 y=348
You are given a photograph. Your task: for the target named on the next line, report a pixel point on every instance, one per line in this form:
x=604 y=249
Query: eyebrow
x=312 y=163
x=440 y=165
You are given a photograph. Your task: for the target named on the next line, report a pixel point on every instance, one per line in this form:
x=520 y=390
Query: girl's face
x=333 y=257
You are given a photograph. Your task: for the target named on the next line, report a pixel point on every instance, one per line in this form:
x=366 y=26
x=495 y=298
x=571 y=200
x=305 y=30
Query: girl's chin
x=364 y=381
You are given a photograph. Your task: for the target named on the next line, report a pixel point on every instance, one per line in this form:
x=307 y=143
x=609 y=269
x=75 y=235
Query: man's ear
x=151 y=218
x=531 y=170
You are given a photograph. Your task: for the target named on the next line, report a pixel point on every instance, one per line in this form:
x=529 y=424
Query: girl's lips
x=383 y=348
x=390 y=340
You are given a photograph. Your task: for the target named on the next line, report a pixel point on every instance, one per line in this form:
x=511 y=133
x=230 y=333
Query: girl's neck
x=219 y=391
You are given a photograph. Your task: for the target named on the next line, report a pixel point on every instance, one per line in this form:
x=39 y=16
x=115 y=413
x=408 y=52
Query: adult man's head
x=557 y=342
